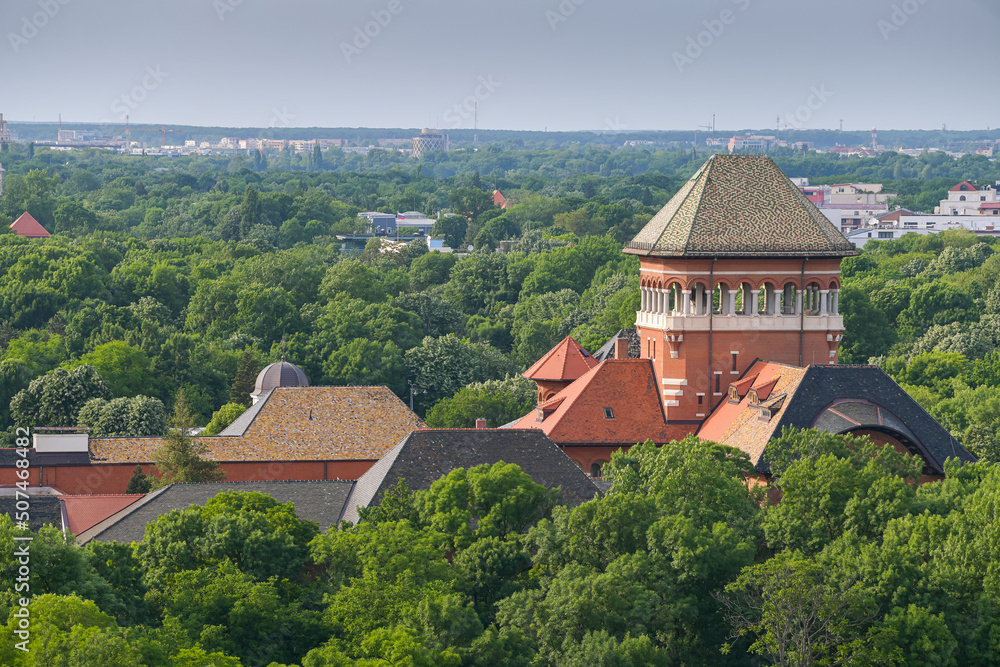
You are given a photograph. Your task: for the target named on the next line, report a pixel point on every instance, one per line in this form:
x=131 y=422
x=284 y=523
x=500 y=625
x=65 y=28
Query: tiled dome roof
x=279 y=374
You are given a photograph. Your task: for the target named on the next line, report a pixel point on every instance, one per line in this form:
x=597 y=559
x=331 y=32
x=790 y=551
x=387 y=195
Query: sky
x=527 y=64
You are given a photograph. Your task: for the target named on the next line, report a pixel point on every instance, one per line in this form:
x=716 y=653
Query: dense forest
x=168 y=275
x=681 y=562
x=186 y=274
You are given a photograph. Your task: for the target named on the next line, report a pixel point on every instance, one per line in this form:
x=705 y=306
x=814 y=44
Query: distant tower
x=874 y=139
x=1 y=180
x=429 y=140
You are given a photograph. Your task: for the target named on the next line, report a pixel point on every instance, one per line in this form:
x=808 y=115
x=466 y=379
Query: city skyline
x=559 y=65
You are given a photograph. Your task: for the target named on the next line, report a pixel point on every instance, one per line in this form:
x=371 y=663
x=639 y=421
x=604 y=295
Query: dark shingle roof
x=42 y=509
x=877 y=402
x=9 y=457
x=318 y=500
x=426 y=455
x=740 y=205
x=836 y=399
x=607 y=350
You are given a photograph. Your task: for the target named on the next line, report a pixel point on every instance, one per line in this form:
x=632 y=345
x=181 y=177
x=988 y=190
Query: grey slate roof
x=321 y=501
x=875 y=401
x=9 y=457
x=240 y=424
x=42 y=509
x=428 y=454
x=607 y=351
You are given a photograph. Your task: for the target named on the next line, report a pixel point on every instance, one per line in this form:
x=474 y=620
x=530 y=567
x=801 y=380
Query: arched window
x=596 y=467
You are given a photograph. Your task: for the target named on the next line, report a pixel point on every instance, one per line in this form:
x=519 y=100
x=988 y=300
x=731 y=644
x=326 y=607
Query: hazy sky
x=530 y=64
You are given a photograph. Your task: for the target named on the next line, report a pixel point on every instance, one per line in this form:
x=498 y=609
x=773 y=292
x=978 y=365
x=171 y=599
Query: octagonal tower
x=737 y=266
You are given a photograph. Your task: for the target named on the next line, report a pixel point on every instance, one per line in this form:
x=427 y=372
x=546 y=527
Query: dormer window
x=734 y=395
x=609 y=413
x=754 y=398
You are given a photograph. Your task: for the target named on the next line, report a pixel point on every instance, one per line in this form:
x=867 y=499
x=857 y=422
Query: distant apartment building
x=755 y=142
x=847 y=205
x=966 y=199
x=65 y=135
x=229 y=143
x=429 y=140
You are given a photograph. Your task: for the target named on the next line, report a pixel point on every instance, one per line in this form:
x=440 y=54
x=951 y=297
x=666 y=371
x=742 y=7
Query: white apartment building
x=966 y=199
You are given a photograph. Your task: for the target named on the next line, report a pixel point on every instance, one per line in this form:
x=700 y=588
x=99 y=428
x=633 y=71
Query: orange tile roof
x=627 y=386
x=295 y=424
x=743 y=386
x=738 y=424
x=84 y=512
x=28 y=227
x=763 y=389
x=969 y=187
x=566 y=362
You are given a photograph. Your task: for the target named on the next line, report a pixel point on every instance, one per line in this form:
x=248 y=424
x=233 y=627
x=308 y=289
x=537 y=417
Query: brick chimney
x=621 y=348
x=481 y=423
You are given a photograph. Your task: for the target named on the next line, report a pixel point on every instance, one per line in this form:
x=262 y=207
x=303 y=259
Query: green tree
x=496 y=401
x=223 y=417
x=55 y=399
x=139 y=482
x=245 y=380
x=441 y=366
x=181 y=457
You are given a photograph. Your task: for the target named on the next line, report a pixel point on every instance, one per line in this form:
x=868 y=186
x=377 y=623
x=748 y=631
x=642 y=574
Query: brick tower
x=738 y=265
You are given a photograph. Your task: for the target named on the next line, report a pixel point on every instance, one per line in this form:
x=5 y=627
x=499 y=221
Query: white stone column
x=699 y=300
x=824 y=295
x=835 y=301
x=686 y=301
x=798 y=302
x=642 y=299
x=732 y=303
x=768 y=300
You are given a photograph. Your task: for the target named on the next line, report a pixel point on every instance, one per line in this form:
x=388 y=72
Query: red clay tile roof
x=566 y=362
x=499 y=199
x=295 y=424
x=738 y=424
x=990 y=205
x=83 y=512
x=627 y=386
x=28 y=227
x=743 y=386
x=763 y=389
x=969 y=187
x=739 y=205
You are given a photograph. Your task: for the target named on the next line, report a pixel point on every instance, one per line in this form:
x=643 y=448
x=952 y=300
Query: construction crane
x=129 y=129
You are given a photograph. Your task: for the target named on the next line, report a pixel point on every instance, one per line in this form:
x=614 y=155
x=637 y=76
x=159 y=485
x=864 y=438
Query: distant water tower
x=429 y=140
x=874 y=140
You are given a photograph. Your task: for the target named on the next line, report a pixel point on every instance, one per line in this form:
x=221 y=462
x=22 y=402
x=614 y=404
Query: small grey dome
x=279 y=374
